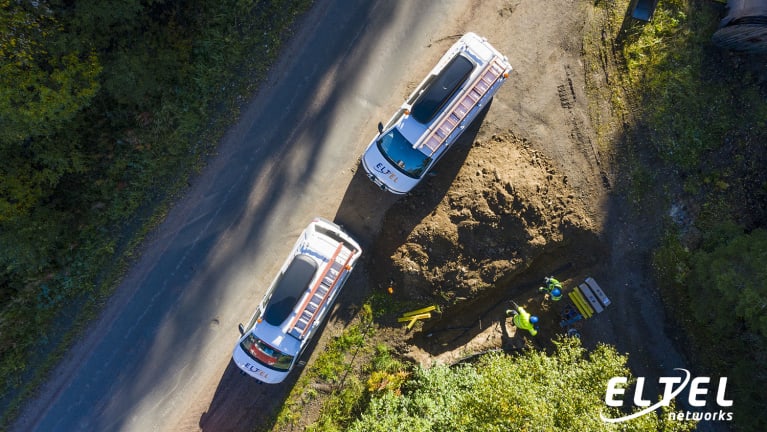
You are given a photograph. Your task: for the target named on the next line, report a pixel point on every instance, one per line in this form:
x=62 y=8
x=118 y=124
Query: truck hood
x=256 y=370
x=382 y=173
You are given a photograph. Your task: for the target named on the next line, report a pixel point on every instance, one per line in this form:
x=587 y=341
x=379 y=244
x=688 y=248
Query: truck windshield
x=400 y=153
x=261 y=352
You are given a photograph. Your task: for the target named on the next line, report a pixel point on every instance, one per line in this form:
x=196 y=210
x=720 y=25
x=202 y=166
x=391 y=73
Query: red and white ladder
x=321 y=290
x=455 y=114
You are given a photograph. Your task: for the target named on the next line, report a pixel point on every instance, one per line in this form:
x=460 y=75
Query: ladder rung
x=460 y=109
x=326 y=289
x=302 y=313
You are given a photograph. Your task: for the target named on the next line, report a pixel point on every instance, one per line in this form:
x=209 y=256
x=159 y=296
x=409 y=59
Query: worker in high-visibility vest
x=553 y=288
x=523 y=320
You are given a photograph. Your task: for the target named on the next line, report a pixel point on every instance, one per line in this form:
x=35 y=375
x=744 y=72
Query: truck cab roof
x=441 y=89
x=289 y=288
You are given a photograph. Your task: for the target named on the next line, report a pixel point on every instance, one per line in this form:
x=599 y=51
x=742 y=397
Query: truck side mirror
x=242 y=328
x=380 y=127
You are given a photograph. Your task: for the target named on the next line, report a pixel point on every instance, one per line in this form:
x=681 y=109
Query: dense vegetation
x=371 y=390
x=704 y=113
x=105 y=108
x=563 y=391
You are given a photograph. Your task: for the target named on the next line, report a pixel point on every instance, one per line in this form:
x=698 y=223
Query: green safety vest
x=553 y=283
x=522 y=321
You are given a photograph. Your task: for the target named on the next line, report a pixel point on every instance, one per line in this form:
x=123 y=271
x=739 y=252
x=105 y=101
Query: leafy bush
x=719 y=296
x=384 y=361
x=532 y=391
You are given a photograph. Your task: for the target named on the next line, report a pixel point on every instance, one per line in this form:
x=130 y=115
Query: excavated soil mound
x=506 y=207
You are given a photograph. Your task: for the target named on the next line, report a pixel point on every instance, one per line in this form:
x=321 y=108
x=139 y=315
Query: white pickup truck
x=297 y=301
x=436 y=113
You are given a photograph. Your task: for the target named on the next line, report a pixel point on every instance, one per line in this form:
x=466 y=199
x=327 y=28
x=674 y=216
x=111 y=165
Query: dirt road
x=159 y=357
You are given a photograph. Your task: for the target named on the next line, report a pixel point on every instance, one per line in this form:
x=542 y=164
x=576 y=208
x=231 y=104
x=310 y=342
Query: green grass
x=691 y=106
x=330 y=367
x=695 y=115
x=331 y=364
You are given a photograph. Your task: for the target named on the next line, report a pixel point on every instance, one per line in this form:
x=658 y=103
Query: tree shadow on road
x=259 y=403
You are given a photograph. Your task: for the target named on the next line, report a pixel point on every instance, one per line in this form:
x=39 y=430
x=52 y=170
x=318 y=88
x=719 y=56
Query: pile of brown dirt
x=506 y=207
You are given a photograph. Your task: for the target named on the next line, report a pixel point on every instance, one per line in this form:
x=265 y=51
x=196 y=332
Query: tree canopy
x=730 y=276
x=727 y=288
x=532 y=391
x=44 y=83
x=106 y=107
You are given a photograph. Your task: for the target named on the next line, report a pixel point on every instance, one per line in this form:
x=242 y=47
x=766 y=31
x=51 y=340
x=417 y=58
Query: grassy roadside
x=693 y=115
x=146 y=150
x=338 y=382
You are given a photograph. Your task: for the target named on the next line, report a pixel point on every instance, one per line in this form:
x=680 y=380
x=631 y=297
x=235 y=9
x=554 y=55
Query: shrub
x=532 y=391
